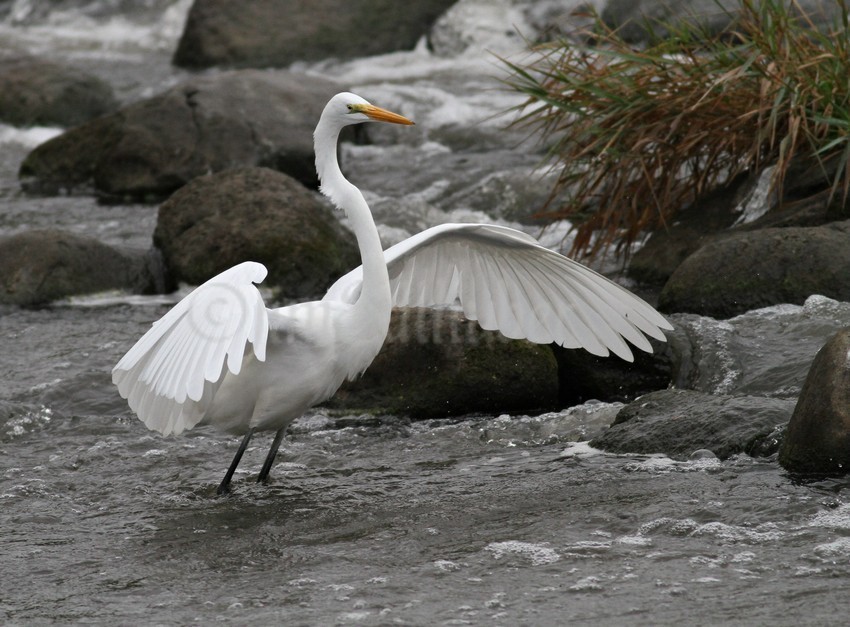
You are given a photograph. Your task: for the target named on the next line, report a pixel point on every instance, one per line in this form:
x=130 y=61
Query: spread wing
x=171 y=374
x=508 y=282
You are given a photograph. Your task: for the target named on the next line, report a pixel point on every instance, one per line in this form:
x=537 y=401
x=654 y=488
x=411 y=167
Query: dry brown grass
x=637 y=135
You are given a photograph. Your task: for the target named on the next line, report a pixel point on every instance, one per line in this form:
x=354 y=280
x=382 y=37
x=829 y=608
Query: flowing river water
x=374 y=520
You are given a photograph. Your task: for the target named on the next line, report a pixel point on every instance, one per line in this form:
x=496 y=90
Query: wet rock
x=34 y=92
x=583 y=377
x=435 y=363
x=678 y=423
x=255 y=214
x=818 y=437
x=816 y=209
x=755 y=269
x=638 y=20
x=149 y=149
x=275 y=33
x=41 y=266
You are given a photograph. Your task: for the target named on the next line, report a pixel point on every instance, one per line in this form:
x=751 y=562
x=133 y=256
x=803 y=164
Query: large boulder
x=149 y=149
x=254 y=214
x=275 y=33
x=41 y=266
x=641 y=20
x=818 y=436
x=679 y=423
x=755 y=269
x=35 y=92
x=435 y=364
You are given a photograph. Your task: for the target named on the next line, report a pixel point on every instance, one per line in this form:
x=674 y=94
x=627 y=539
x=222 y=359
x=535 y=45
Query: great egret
x=221 y=357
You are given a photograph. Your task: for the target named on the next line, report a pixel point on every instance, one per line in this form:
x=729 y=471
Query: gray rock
x=818 y=437
x=275 y=33
x=41 y=266
x=755 y=269
x=207 y=124
x=35 y=92
x=254 y=214
x=678 y=423
x=436 y=364
x=636 y=20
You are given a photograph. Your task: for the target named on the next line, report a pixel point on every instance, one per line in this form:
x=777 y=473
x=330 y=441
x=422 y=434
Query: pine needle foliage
x=636 y=135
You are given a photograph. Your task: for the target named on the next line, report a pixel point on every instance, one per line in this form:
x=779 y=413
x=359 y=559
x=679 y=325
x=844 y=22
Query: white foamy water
x=536 y=554
x=27 y=137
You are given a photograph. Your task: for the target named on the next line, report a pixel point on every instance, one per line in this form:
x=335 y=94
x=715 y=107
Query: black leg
x=224 y=487
x=267 y=465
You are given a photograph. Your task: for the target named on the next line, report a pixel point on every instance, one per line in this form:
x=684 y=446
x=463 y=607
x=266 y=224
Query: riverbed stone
x=677 y=423
x=818 y=436
x=44 y=265
x=36 y=92
x=255 y=214
x=435 y=364
x=748 y=270
x=276 y=33
x=149 y=149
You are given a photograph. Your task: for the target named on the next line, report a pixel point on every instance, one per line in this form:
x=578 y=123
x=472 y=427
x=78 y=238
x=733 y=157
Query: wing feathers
x=171 y=374
x=507 y=282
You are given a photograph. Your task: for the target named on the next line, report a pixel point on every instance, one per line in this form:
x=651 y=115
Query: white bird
x=220 y=357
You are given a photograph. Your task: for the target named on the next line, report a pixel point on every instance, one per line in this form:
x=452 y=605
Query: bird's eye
x=350 y=107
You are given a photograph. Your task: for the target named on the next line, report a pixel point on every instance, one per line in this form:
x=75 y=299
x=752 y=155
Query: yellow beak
x=382 y=115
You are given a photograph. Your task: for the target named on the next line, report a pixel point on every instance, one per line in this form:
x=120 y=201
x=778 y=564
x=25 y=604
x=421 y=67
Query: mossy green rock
x=436 y=364
x=756 y=269
x=254 y=214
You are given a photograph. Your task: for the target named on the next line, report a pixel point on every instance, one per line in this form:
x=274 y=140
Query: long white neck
x=375 y=300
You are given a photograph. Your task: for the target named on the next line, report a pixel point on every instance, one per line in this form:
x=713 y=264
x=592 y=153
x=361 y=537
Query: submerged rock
x=207 y=124
x=818 y=436
x=254 y=214
x=679 y=422
x=35 y=92
x=41 y=266
x=275 y=33
x=754 y=269
x=435 y=364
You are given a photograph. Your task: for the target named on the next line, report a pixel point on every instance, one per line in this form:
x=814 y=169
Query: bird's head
x=350 y=108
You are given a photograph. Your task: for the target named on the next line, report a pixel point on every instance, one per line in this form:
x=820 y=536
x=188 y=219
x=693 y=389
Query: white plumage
x=221 y=357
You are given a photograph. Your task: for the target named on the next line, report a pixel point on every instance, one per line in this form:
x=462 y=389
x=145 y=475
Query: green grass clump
x=637 y=135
